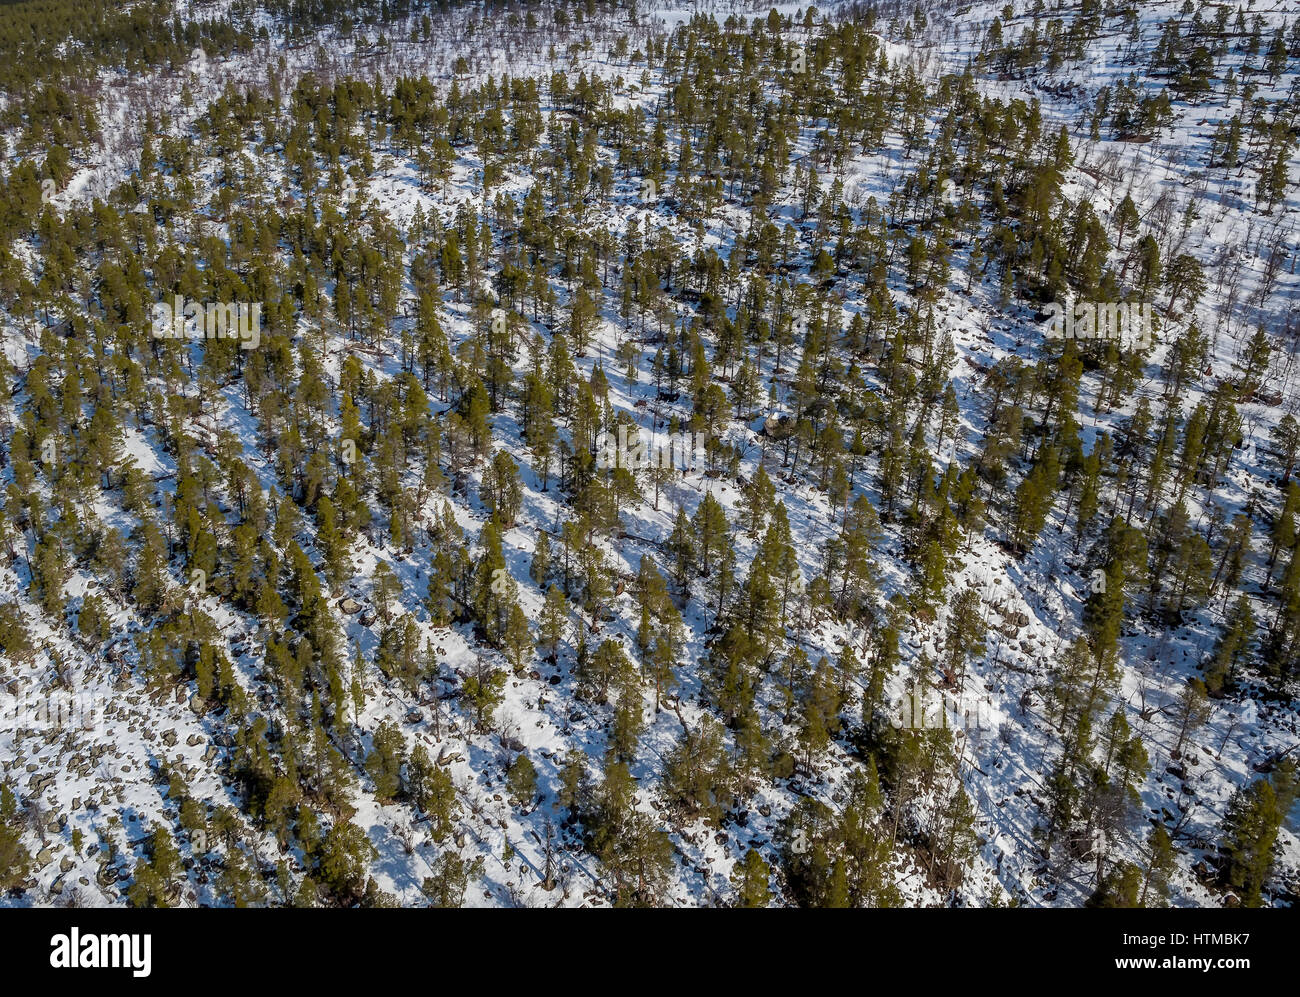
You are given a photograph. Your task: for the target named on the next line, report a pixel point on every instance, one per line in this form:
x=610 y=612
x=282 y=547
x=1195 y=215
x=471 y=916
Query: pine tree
x=540 y=567
x=435 y=794
x=1233 y=647
x=1159 y=867
x=385 y=760
x=964 y=636
x=749 y=878
x=345 y=857
x=15 y=861
x=517 y=641
x=494 y=587
x=1250 y=827
x=710 y=528
x=521 y=780
x=450 y=879
x=483 y=690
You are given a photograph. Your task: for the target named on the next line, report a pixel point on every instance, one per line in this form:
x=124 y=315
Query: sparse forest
x=652 y=476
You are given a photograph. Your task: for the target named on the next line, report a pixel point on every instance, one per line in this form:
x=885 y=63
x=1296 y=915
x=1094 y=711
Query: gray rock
x=40 y=783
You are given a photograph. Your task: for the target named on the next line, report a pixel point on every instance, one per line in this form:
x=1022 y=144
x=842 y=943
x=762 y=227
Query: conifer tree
x=750 y=880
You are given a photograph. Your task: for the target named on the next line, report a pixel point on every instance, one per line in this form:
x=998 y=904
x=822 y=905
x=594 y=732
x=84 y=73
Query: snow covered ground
x=102 y=783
